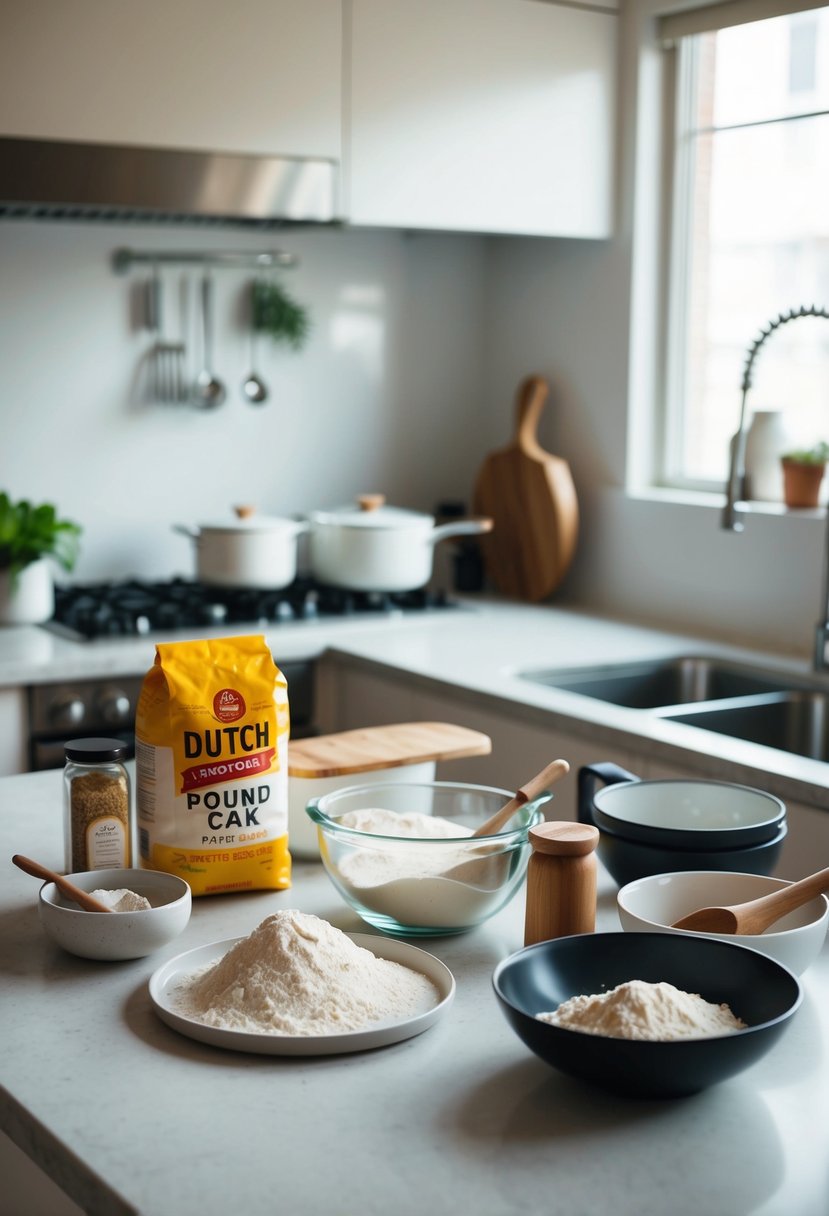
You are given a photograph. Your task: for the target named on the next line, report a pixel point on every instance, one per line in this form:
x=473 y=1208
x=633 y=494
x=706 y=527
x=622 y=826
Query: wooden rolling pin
x=379 y=747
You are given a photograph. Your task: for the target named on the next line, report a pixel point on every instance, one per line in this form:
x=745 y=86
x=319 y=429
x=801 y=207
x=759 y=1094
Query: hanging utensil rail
x=124 y=259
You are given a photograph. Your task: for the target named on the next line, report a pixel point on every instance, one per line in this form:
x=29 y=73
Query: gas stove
x=133 y=607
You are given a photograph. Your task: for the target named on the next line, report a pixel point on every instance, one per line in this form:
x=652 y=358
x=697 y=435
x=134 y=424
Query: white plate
x=379 y=1034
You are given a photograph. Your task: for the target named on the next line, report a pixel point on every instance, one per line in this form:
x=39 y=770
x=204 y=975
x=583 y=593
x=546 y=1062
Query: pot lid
x=370 y=511
x=247 y=520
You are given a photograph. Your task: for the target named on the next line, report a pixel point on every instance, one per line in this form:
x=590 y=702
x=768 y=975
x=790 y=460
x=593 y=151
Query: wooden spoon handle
x=770 y=908
x=525 y=793
x=83 y=898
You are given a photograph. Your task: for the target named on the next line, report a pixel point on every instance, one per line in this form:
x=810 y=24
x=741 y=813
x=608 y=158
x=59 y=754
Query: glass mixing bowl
x=419 y=885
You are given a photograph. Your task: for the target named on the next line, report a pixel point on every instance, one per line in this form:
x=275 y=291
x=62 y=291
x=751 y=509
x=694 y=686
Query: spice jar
x=561 y=881
x=97 y=832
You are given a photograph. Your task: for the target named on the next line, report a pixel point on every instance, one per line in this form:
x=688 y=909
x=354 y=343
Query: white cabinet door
x=253 y=76
x=481 y=115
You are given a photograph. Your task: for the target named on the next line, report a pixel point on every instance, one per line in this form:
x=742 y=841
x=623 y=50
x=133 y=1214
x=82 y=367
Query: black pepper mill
x=561 y=881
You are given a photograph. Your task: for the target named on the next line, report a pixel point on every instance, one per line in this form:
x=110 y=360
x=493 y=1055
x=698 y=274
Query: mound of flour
x=298 y=975
x=639 y=1010
x=122 y=900
x=409 y=824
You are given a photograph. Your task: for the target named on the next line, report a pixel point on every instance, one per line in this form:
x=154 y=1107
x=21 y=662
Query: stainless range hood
x=56 y=179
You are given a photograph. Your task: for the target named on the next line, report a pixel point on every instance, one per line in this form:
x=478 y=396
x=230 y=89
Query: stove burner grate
x=134 y=607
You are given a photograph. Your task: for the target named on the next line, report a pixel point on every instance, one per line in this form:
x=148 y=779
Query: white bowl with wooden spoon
x=655 y=903
x=112 y=936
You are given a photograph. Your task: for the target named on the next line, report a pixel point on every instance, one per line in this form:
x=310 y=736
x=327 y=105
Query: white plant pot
x=28 y=599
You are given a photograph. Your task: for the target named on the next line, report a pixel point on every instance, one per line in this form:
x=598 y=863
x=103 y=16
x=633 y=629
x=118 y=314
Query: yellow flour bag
x=211 y=753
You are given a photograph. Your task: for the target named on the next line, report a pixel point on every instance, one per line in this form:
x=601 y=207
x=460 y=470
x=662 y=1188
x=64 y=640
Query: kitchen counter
x=127 y=1116
x=479 y=648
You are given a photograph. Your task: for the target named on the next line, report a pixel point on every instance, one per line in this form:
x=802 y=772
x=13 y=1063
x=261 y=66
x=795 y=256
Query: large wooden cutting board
x=530 y=496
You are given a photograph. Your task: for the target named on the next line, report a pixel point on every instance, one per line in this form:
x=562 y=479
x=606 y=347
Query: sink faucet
x=734 y=490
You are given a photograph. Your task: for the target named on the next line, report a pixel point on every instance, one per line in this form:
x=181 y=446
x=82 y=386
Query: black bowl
x=539 y=978
x=685 y=804
x=626 y=860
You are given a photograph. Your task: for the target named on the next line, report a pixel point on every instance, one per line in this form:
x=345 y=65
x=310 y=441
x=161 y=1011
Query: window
x=749 y=237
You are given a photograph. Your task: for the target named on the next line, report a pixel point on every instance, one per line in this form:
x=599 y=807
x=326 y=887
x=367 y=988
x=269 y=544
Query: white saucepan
x=371 y=547
x=249 y=551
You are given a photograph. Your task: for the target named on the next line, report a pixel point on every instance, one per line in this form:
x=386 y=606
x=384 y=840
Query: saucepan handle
x=590 y=776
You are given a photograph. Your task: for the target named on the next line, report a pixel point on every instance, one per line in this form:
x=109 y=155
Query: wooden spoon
x=757 y=914
x=67 y=888
x=526 y=793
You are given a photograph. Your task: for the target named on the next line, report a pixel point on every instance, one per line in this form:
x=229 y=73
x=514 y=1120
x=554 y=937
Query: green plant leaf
x=277 y=314
x=28 y=533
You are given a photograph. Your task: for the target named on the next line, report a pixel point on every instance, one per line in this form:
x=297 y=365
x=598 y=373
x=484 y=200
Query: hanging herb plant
x=276 y=313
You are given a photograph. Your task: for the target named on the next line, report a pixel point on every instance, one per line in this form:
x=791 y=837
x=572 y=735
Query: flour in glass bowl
x=299 y=975
x=431 y=887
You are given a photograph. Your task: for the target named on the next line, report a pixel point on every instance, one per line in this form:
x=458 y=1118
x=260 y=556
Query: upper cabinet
x=480 y=115
x=492 y=116
x=260 y=76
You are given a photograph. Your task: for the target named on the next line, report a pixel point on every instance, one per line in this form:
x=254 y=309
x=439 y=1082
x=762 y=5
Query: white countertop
x=130 y=1117
x=480 y=647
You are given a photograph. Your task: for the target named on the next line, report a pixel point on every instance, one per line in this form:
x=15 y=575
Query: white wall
x=385 y=397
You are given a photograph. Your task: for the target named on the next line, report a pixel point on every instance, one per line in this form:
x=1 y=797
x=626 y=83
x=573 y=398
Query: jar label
x=106 y=844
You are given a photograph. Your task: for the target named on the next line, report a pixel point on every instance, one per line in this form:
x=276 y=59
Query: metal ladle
x=254 y=388
x=208 y=391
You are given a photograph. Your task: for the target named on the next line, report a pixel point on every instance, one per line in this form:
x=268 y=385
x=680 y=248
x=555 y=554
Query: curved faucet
x=730 y=520
x=736 y=473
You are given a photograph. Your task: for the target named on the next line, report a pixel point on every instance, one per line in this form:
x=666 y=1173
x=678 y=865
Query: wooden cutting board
x=531 y=497
x=378 y=747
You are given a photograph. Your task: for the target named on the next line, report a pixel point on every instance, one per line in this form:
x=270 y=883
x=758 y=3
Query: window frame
x=680 y=60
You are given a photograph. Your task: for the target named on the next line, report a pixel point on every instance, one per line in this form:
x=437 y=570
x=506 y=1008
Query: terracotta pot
x=801 y=483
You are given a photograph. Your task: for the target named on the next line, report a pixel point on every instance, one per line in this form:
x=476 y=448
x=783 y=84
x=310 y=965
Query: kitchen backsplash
x=385 y=395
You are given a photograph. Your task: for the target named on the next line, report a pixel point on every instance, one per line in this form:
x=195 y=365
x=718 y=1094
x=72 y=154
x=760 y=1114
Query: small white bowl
x=652 y=904
x=117 y=935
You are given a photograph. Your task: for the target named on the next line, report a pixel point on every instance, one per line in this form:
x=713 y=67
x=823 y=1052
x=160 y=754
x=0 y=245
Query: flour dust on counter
x=211 y=755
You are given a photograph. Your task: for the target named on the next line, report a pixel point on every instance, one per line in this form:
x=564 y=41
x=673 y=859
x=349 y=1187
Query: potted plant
x=803 y=472
x=29 y=537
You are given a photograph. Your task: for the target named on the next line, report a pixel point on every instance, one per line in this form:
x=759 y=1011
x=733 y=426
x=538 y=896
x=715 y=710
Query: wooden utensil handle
x=525 y=793
x=83 y=898
x=531 y=398
x=781 y=902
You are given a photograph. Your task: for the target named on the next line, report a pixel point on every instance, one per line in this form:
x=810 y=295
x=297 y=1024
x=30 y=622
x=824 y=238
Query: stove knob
x=70 y=711
x=113 y=707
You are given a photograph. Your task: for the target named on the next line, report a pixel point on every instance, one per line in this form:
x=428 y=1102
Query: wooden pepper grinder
x=561 y=881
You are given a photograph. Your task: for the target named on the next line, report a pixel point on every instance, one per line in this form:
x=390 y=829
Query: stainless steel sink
x=658 y=684
x=796 y=722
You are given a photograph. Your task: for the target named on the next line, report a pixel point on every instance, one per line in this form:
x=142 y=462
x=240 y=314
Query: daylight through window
x=750 y=237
